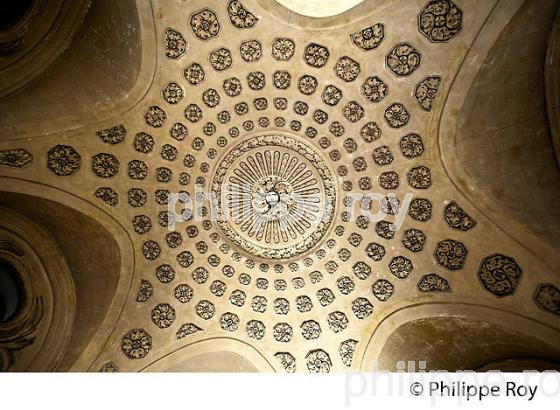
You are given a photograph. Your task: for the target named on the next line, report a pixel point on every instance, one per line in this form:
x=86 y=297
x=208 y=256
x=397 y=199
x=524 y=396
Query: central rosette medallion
x=275 y=196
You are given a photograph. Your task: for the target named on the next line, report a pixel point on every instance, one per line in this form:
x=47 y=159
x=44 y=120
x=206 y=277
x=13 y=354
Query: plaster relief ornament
x=113 y=135
x=218 y=288
x=63 y=160
x=145 y=292
x=362 y=308
x=165 y=273
x=281 y=306
x=175 y=44
x=457 y=218
x=433 y=283
x=205 y=309
x=282 y=332
x=283 y=49
x=375 y=251
x=310 y=330
x=389 y=180
x=337 y=321
x=256 y=80
x=250 y=51
x=287 y=361
x=353 y=111
x=187 y=329
x=107 y=195
x=255 y=329
x=374 y=89
x=385 y=229
x=194 y=74
x=420 y=209
x=396 y=115
x=347 y=69
x=143 y=143
x=280 y=196
x=109 y=367
x=282 y=79
x=400 y=266
x=547 y=297
x=413 y=240
x=258 y=304
x=183 y=293
x=136 y=344
x=239 y=16
x=345 y=285
x=172 y=93
x=232 y=86
x=369 y=38
x=331 y=95
x=204 y=24
x=426 y=92
x=370 y=132
x=151 y=250
x=211 y=97
x=440 y=20
x=280 y=103
x=316 y=55
x=15 y=158
x=382 y=289
x=221 y=59
x=105 y=165
x=185 y=259
x=229 y=322
x=361 y=270
x=238 y=297
x=346 y=351
x=419 y=177
x=318 y=361
x=307 y=84
x=163 y=315
x=304 y=303
x=403 y=59
x=451 y=254
x=137 y=170
x=382 y=155
x=411 y=146
x=193 y=113
x=136 y=197
x=260 y=103
x=499 y=274
x=155 y=117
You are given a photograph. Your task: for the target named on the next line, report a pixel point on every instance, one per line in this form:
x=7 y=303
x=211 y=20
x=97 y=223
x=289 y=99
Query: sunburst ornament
x=275 y=196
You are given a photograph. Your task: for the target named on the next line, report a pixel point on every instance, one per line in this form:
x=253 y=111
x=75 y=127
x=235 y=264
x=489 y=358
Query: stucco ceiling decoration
x=248 y=103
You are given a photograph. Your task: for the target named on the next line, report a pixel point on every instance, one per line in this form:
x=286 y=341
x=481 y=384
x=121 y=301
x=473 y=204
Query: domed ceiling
x=324 y=197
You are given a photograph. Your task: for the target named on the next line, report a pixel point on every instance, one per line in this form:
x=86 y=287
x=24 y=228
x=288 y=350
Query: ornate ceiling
x=250 y=100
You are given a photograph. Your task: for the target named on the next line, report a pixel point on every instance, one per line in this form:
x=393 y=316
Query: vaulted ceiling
x=434 y=109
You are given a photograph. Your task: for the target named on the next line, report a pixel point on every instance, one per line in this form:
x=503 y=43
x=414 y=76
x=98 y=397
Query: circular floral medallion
x=440 y=20
x=204 y=24
x=275 y=196
x=136 y=344
x=63 y=160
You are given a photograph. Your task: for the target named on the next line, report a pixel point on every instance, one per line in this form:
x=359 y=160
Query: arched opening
x=11 y=292
x=13 y=12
